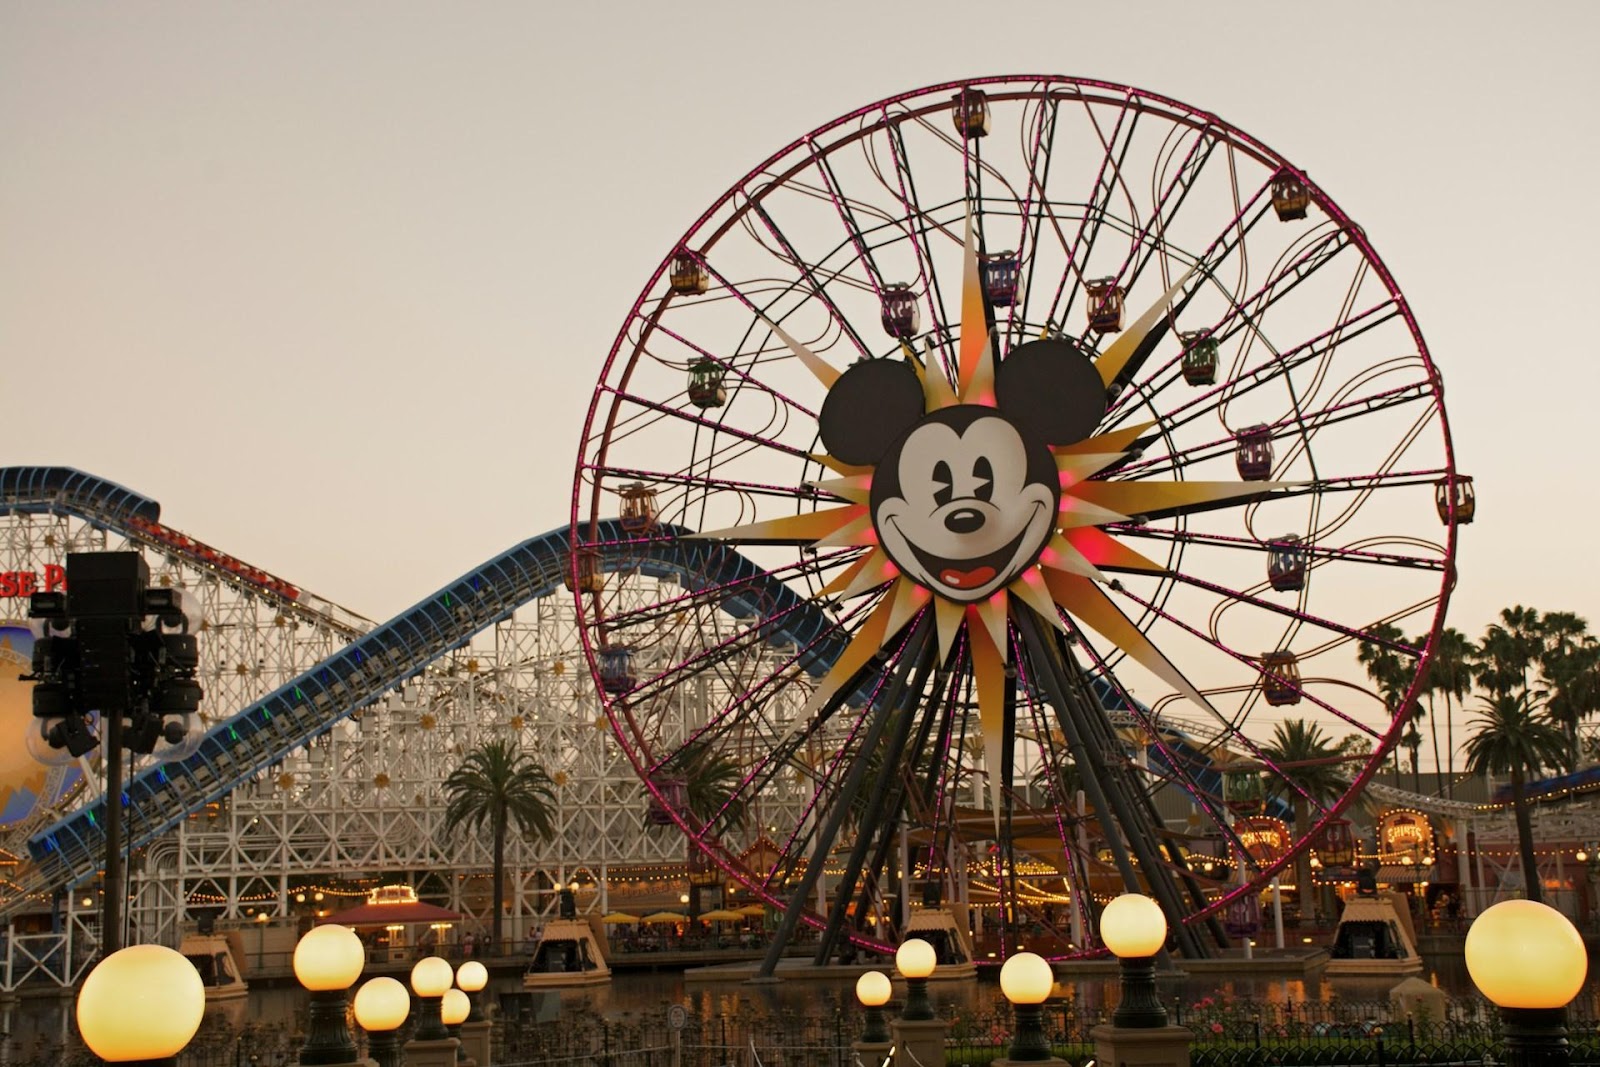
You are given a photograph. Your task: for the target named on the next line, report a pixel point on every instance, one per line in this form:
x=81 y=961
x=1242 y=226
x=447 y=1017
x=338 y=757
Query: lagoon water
x=639 y=996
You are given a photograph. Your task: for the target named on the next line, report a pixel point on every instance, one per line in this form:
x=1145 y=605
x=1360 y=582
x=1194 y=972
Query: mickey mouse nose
x=964 y=521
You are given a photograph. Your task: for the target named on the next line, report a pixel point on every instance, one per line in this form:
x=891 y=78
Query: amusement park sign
x=26 y=583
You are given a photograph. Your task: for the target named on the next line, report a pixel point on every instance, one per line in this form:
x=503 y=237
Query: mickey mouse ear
x=1051 y=389
x=868 y=408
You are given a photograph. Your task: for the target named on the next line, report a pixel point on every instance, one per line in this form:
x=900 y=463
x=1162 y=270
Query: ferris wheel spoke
x=715 y=427
x=1241 y=658
x=847 y=219
x=1312 y=550
x=809 y=276
x=1145 y=246
x=918 y=222
x=1319 y=348
x=1096 y=207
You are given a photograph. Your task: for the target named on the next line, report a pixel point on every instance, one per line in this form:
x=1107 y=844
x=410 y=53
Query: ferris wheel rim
x=1130 y=97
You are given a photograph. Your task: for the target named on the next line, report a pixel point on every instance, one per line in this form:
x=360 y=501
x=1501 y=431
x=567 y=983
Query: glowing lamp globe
x=916 y=958
x=1027 y=978
x=472 y=976
x=431 y=976
x=329 y=957
x=1523 y=954
x=382 y=1004
x=144 y=1002
x=1133 y=926
x=456 y=1007
x=873 y=989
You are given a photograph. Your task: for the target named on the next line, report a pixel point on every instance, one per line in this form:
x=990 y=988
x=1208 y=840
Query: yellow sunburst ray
x=862 y=647
x=857 y=531
x=857 y=488
x=1087 y=602
x=1029 y=588
x=936 y=390
x=1146 y=498
x=1062 y=555
x=809 y=527
x=1084 y=465
x=1117 y=354
x=909 y=598
x=843 y=580
x=974 y=323
x=1103 y=550
x=877 y=569
x=980 y=387
x=820 y=368
x=1076 y=512
x=848 y=470
x=991 y=615
x=1110 y=441
x=947 y=617
x=989 y=679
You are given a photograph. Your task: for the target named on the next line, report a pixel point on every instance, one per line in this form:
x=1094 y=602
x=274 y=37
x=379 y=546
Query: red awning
x=392 y=914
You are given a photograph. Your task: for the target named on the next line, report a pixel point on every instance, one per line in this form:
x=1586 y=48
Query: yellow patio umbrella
x=722 y=915
x=754 y=911
x=617 y=918
x=665 y=917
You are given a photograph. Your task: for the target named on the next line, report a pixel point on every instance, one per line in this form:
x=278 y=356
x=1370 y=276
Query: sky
x=334 y=282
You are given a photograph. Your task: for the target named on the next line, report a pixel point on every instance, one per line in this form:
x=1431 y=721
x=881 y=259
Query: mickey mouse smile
x=969 y=574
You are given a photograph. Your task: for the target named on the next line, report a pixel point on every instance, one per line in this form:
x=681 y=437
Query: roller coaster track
x=241 y=747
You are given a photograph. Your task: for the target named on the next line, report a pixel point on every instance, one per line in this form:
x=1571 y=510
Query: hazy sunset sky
x=333 y=282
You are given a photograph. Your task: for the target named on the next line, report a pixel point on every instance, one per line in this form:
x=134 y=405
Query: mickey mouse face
x=965 y=498
x=963 y=503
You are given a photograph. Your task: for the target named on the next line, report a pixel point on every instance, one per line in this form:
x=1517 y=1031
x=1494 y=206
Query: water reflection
x=34 y=1024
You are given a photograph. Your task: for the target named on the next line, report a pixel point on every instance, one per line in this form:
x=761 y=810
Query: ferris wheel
x=1018 y=454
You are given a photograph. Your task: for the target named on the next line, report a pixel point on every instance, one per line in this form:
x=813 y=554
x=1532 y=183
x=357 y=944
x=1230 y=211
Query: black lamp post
x=430 y=978
x=1134 y=929
x=381 y=1006
x=916 y=960
x=873 y=991
x=1530 y=960
x=1026 y=980
x=327 y=961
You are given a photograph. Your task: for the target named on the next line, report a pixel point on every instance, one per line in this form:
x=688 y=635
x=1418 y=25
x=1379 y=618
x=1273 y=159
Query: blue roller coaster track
x=243 y=746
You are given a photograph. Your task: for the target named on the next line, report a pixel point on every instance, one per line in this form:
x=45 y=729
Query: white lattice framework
x=366 y=800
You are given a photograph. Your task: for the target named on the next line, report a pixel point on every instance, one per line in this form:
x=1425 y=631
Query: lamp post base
x=918 y=1041
x=1141 y=1006
x=1536 y=1037
x=1143 y=1046
x=475 y=1040
x=432 y=1053
x=872 y=1053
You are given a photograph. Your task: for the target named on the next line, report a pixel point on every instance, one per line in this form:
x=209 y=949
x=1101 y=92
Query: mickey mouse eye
x=945 y=482
x=983 y=474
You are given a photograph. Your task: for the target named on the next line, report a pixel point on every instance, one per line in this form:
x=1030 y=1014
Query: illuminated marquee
x=1263 y=837
x=1405 y=835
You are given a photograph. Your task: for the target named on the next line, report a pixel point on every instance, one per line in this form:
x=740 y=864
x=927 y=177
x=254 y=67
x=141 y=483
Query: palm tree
x=1512 y=738
x=1450 y=673
x=1509 y=651
x=498 y=784
x=1570 y=663
x=1311 y=760
x=1392 y=676
x=711 y=781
